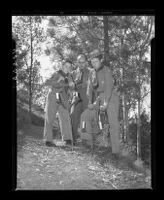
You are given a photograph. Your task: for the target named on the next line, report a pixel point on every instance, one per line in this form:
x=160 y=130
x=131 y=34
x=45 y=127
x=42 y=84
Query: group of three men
x=88 y=82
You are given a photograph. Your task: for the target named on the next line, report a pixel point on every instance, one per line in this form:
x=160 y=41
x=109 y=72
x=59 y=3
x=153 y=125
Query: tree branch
x=134 y=20
x=91 y=34
x=148 y=37
x=145 y=95
x=26 y=62
x=77 y=32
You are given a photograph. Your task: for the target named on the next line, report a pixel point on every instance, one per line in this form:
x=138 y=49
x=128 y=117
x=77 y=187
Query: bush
x=22 y=95
x=36 y=120
x=22 y=118
x=145 y=129
x=145 y=139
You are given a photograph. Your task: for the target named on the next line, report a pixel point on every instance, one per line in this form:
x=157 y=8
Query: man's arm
x=56 y=81
x=76 y=76
x=71 y=82
x=89 y=91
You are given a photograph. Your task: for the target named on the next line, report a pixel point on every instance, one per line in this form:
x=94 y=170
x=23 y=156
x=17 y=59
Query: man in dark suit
x=81 y=83
x=109 y=97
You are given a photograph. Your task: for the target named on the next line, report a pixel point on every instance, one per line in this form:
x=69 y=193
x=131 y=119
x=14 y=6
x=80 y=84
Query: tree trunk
x=124 y=124
x=141 y=53
x=30 y=74
x=106 y=41
x=121 y=118
x=139 y=110
x=138 y=133
x=125 y=111
x=125 y=119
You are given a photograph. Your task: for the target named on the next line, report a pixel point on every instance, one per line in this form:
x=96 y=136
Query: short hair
x=96 y=54
x=67 y=61
x=99 y=57
x=82 y=55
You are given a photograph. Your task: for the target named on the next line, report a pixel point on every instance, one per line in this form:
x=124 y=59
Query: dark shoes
x=115 y=156
x=68 y=142
x=83 y=130
x=50 y=144
x=75 y=142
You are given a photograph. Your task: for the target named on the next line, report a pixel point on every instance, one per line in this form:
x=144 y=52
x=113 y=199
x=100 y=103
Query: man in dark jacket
x=57 y=101
x=109 y=97
x=81 y=83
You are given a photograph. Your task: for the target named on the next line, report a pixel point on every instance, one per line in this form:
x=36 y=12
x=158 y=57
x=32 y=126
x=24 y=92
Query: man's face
x=96 y=63
x=82 y=63
x=67 y=67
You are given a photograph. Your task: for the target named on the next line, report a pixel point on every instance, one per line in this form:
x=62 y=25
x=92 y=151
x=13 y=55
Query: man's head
x=95 y=58
x=81 y=59
x=67 y=66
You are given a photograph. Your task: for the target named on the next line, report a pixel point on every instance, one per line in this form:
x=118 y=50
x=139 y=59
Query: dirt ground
x=59 y=168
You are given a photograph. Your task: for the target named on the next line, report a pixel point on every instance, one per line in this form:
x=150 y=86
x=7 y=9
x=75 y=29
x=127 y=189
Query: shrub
x=36 y=120
x=22 y=118
x=145 y=129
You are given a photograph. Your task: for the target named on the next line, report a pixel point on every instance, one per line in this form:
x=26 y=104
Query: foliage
x=40 y=97
x=128 y=41
x=23 y=119
x=145 y=136
x=26 y=28
x=29 y=36
x=129 y=36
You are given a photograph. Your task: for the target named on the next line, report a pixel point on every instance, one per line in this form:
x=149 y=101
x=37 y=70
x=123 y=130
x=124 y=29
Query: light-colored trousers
x=89 y=121
x=52 y=107
x=65 y=123
x=112 y=112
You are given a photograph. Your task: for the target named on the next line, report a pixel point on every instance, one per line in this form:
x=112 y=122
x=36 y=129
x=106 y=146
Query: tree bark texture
x=106 y=41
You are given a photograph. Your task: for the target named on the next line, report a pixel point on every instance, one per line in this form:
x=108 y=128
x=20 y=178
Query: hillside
x=46 y=168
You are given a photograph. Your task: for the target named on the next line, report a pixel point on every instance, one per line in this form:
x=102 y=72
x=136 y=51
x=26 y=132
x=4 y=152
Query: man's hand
x=91 y=106
x=104 y=106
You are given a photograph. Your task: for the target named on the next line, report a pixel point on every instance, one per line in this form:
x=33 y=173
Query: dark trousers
x=84 y=98
x=78 y=110
x=75 y=119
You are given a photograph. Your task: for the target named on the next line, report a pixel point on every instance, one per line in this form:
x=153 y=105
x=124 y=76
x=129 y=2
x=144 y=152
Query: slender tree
x=106 y=40
x=30 y=36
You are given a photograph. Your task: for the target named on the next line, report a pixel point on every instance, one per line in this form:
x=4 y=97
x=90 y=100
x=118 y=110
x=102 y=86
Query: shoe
x=68 y=142
x=50 y=144
x=83 y=130
x=115 y=156
x=75 y=142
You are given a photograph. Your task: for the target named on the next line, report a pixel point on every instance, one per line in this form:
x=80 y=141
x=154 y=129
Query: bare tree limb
x=148 y=36
x=78 y=33
x=26 y=62
x=91 y=34
x=134 y=20
x=145 y=94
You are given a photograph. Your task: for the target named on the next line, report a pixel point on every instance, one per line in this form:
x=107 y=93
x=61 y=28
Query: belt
x=99 y=92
